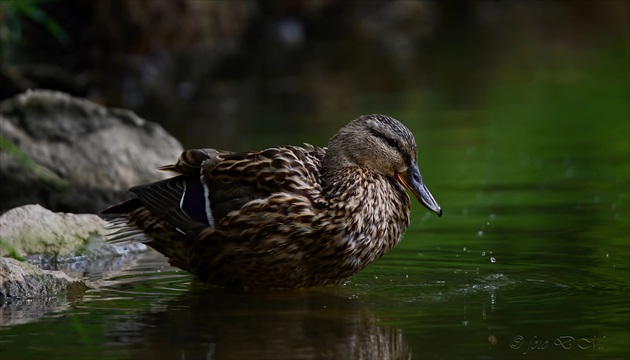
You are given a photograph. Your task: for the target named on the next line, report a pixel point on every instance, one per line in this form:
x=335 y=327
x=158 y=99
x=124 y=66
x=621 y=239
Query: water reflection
x=23 y=311
x=215 y=323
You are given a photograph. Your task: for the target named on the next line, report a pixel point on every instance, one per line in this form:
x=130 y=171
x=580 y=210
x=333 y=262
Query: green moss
x=40 y=171
x=9 y=250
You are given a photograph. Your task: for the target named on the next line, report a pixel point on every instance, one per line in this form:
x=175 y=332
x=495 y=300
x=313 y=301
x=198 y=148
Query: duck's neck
x=376 y=208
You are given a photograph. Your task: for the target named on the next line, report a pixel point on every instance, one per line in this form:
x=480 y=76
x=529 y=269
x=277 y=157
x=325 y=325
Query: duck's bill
x=412 y=181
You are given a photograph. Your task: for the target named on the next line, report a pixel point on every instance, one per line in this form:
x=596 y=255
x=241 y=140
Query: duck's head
x=384 y=145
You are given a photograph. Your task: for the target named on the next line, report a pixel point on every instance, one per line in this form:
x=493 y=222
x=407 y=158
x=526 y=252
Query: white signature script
x=565 y=342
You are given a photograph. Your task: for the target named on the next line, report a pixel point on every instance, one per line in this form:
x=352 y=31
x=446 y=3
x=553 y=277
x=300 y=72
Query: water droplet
x=407 y=276
x=493 y=216
x=464 y=248
x=483 y=253
x=480 y=233
x=493 y=260
x=607 y=255
x=465 y=322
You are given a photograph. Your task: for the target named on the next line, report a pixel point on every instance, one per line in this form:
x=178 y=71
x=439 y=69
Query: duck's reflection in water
x=215 y=323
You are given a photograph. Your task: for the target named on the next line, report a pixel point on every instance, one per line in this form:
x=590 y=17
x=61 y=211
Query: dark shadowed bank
x=222 y=71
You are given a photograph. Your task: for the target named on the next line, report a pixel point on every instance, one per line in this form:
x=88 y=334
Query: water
x=529 y=261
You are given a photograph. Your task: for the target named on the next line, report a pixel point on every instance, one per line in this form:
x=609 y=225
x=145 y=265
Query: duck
x=285 y=216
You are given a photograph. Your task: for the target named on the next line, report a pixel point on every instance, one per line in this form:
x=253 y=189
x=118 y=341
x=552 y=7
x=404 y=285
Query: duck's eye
x=392 y=142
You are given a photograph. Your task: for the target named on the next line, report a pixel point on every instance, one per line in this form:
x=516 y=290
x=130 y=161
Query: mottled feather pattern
x=289 y=168
x=278 y=233
x=284 y=216
x=172 y=243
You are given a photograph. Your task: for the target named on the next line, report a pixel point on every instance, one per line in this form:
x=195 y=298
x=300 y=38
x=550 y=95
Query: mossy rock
x=33 y=231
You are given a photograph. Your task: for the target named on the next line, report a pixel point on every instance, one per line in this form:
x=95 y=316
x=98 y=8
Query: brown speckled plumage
x=286 y=216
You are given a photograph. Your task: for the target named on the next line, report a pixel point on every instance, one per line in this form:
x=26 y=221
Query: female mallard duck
x=285 y=216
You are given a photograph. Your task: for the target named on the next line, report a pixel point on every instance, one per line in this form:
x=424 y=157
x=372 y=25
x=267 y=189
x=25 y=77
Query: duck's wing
x=243 y=177
x=173 y=199
x=212 y=183
x=280 y=169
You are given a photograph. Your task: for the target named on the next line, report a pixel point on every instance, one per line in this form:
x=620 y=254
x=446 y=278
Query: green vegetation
x=40 y=171
x=12 y=15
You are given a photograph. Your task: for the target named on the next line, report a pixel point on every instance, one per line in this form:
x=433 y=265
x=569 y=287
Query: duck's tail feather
x=119 y=231
x=132 y=221
x=166 y=215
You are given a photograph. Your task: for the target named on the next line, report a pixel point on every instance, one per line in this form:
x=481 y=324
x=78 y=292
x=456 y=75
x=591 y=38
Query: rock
x=70 y=154
x=34 y=232
x=24 y=281
x=71 y=242
x=27 y=292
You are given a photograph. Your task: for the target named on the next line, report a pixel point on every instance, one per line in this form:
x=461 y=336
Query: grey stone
x=27 y=293
x=20 y=280
x=73 y=155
